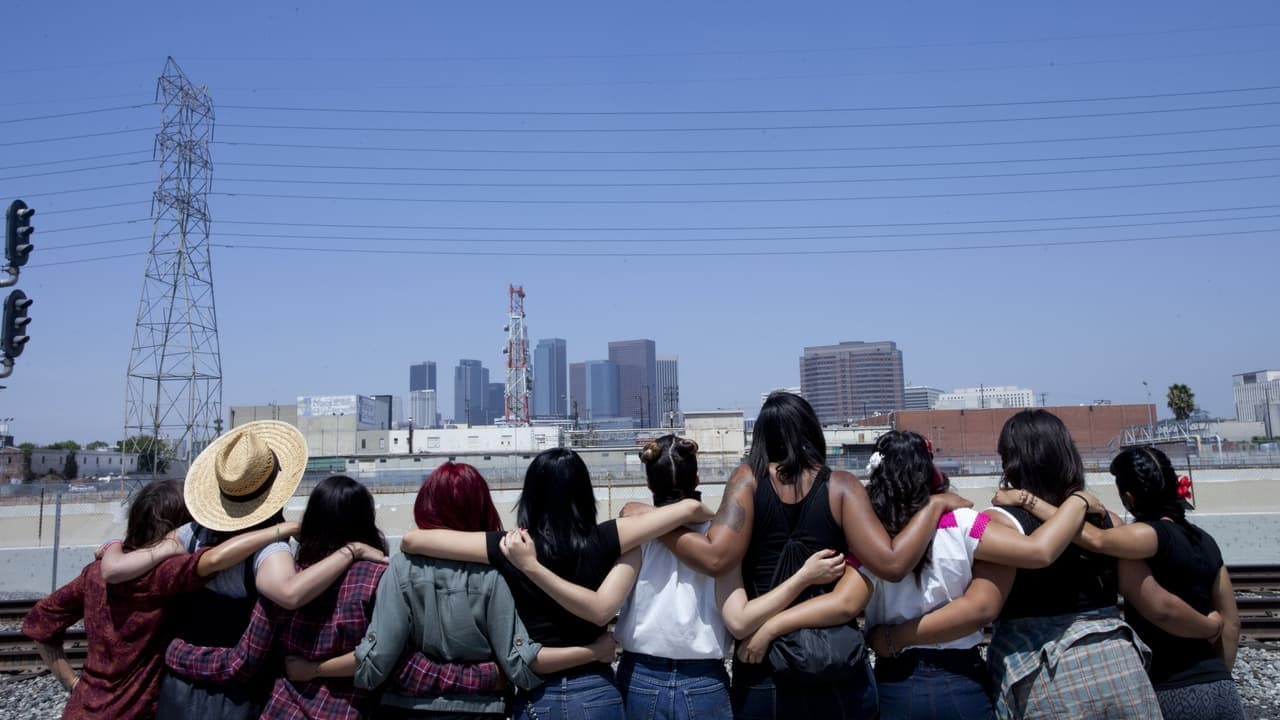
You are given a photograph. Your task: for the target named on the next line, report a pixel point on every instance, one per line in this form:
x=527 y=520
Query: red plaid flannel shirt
x=332 y=624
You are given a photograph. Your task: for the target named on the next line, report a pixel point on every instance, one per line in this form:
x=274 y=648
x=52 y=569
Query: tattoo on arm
x=731 y=515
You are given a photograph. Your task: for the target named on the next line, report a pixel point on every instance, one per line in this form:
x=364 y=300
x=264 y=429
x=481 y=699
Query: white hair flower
x=874 y=462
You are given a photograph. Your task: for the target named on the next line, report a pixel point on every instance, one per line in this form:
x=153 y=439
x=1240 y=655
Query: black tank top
x=209 y=619
x=784 y=535
x=1077 y=581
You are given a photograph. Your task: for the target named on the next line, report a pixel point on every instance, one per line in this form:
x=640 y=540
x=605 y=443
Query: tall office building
x=602 y=385
x=577 y=390
x=852 y=379
x=495 y=402
x=637 y=379
x=470 y=388
x=422 y=408
x=422 y=376
x=550 y=393
x=668 y=413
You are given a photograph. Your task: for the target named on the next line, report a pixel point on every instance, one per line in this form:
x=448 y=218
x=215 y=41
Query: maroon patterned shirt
x=330 y=625
x=126 y=636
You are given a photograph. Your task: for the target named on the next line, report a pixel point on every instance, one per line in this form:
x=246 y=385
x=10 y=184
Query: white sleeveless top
x=672 y=612
x=944 y=578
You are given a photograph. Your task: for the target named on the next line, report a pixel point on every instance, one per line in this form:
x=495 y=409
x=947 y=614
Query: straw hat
x=246 y=475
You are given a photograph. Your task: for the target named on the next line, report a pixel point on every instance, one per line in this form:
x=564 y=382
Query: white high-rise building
x=422 y=408
x=984 y=397
x=1255 y=392
x=920 y=397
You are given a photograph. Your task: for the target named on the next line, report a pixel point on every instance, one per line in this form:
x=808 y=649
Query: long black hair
x=671 y=469
x=1040 y=457
x=902 y=481
x=1148 y=476
x=787 y=432
x=157 y=509
x=558 y=507
x=339 y=511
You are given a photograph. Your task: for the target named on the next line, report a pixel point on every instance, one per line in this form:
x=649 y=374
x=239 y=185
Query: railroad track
x=1259 y=619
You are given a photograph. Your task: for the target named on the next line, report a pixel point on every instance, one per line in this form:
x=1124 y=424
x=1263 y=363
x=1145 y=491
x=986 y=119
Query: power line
x=88 y=189
x=758 y=111
x=75 y=170
x=93 y=226
x=723 y=151
x=610 y=241
x=46 y=213
x=742 y=183
x=788 y=168
x=89 y=243
x=78 y=261
x=77 y=159
x=715 y=201
x=751 y=253
x=732 y=228
x=74 y=137
x=75 y=113
x=753 y=128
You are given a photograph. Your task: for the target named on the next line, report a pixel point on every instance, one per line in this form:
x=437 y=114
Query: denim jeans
x=759 y=695
x=585 y=694
x=656 y=688
x=934 y=684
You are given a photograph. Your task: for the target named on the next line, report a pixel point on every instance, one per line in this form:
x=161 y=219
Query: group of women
x=212 y=619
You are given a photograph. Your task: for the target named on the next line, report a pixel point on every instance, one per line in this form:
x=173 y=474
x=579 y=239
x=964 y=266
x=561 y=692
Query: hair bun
x=686 y=445
x=650 y=452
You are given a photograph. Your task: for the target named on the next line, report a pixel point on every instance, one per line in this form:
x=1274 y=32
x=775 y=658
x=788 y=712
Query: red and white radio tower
x=518 y=371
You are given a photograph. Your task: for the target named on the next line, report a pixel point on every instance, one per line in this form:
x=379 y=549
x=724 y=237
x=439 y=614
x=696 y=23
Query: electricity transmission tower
x=519 y=385
x=173 y=402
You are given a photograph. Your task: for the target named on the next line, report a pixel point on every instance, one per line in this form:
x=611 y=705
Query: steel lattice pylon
x=173 y=401
x=519 y=386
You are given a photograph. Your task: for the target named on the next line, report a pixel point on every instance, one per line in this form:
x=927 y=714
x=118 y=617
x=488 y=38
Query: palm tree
x=1181 y=401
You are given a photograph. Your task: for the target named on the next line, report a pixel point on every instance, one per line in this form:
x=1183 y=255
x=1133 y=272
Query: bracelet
x=1031 y=503
x=277 y=533
x=1081 y=498
x=350 y=550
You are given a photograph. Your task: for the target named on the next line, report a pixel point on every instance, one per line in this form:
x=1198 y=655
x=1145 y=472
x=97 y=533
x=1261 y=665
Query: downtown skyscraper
x=637 y=379
x=550 y=377
x=470 y=392
x=422 y=376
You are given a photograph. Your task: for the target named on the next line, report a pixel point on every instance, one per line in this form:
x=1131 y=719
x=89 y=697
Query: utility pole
x=1044 y=399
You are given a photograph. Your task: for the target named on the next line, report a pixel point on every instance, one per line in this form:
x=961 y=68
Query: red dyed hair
x=455 y=497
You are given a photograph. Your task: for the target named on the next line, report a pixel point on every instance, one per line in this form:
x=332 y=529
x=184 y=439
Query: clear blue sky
x=1193 y=170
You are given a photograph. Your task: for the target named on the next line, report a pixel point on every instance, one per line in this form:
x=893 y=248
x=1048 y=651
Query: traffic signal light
x=14 y=337
x=17 y=239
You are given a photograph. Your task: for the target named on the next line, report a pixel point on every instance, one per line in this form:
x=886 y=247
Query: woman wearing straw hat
x=240 y=482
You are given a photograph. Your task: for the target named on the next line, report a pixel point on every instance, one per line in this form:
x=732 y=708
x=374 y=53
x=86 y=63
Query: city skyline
x=1061 y=198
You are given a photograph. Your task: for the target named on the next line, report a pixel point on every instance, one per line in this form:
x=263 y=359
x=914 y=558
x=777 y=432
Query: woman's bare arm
x=889 y=558
x=446 y=545
x=1005 y=546
x=837 y=607
x=1162 y=608
x=281 y=582
x=598 y=606
x=743 y=617
x=725 y=544
x=1224 y=603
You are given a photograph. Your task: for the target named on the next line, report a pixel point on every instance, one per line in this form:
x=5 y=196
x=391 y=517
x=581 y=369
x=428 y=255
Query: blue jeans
x=934 y=684
x=759 y=695
x=580 y=694
x=656 y=688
